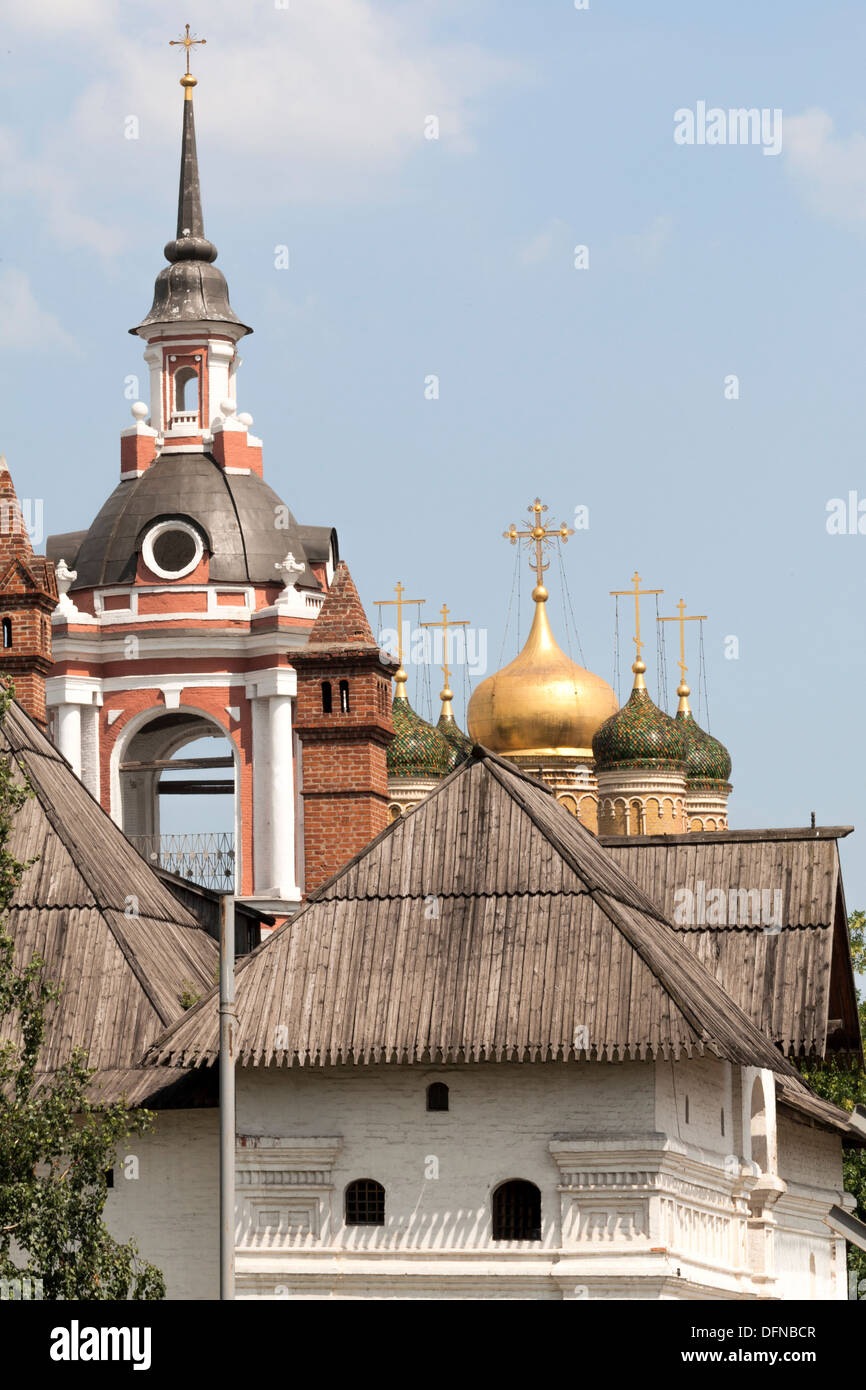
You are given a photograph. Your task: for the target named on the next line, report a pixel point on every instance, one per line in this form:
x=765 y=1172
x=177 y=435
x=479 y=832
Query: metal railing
x=208 y=859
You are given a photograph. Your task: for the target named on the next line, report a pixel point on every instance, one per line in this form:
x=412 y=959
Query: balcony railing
x=208 y=859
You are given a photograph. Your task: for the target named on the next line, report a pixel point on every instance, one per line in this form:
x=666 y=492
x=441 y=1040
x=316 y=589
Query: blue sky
x=601 y=387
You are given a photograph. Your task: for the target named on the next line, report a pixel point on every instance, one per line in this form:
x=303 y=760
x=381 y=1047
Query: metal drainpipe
x=228 y=1019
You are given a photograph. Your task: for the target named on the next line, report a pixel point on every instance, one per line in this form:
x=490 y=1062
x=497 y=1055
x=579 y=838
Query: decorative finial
x=446 y=694
x=639 y=666
x=683 y=690
x=65 y=577
x=400 y=676
x=541 y=537
x=187 y=81
x=289 y=568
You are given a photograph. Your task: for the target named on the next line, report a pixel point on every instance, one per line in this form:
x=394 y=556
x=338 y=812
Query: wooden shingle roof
x=795 y=980
x=122 y=945
x=484 y=924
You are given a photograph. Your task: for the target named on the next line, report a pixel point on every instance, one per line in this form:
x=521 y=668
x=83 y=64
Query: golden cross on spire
x=399 y=602
x=682 y=620
x=188 y=42
x=445 y=623
x=638 y=593
x=541 y=537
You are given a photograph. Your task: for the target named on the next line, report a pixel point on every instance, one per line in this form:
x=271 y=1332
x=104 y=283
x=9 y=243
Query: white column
x=69 y=735
x=282 y=798
x=90 y=748
x=271 y=693
x=221 y=382
x=77 y=732
x=153 y=358
x=261 y=846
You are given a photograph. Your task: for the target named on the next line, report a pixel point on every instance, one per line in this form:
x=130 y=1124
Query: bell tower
x=187 y=599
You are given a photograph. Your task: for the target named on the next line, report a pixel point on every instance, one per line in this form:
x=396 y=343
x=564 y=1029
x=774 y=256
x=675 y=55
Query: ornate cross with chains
x=540 y=536
x=400 y=602
x=446 y=622
x=682 y=620
x=638 y=594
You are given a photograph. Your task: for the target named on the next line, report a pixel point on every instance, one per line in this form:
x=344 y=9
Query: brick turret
x=344 y=723
x=28 y=596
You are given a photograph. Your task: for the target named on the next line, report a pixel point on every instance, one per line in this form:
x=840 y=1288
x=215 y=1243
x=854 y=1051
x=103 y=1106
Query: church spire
x=190 y=289
x=190 y=222
x=189 y=198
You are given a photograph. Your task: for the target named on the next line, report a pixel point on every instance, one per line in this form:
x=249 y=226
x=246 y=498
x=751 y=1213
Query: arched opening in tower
x=178 y=791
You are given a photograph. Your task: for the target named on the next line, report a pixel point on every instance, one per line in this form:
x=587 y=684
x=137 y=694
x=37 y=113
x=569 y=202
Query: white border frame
x=173 y=524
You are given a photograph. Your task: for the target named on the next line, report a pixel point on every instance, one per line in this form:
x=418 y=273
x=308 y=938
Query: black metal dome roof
x=241 y=517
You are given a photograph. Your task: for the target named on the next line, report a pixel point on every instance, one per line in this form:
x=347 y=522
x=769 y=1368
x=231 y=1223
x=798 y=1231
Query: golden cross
x=682 y=620
x=638 y=593
x=399 y=601
x=187 y=42
x=445 y=623
x=539 y=535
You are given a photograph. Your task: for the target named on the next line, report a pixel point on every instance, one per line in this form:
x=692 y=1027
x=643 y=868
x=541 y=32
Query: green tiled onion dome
x=459 y=743
x=417 y=749
x=640 y=734
x=708 y=760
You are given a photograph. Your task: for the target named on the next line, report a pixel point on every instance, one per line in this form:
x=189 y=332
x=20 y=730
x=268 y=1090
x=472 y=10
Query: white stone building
x=486 y=1066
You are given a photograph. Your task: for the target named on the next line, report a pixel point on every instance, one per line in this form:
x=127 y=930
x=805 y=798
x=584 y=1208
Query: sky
x=693 y=377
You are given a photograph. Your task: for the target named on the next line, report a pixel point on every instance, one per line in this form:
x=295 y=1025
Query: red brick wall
x=28 y=660
x=345 y=775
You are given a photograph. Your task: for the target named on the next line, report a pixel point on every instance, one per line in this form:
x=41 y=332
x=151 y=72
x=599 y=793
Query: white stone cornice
x=264 y=685
x=191 y=643
x=73 y=690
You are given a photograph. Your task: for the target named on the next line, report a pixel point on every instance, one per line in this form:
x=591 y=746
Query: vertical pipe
x=228 y=1015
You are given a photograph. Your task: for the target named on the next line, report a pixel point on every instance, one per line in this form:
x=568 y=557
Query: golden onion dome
x=543 y=702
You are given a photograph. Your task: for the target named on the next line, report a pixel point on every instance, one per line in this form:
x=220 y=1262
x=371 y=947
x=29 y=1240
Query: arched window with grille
x=517 y=1211
x=365 y=1203
x=437 y=1096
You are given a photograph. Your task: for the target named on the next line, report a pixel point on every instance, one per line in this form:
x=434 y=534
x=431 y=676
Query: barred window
x=437 y=1096
x=365 y=1203
x=517 y=1211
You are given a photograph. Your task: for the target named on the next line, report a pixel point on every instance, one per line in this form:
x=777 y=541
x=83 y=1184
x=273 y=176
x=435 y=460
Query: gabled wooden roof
x=484 y=924
x=122 y=945
x=795 y=981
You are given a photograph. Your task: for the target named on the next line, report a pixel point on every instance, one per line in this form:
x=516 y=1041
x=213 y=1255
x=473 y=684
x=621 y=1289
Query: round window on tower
x=172 y=549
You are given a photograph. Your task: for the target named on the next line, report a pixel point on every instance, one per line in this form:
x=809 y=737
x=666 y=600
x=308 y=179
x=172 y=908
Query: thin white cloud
x=646 y=247
x=27 y=326
x=829 y=170
x=322 y=100
x=542 y=246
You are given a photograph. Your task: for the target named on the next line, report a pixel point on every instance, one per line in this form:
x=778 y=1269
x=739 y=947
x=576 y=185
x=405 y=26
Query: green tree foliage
x=846 y=1086
x=55 y=1144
